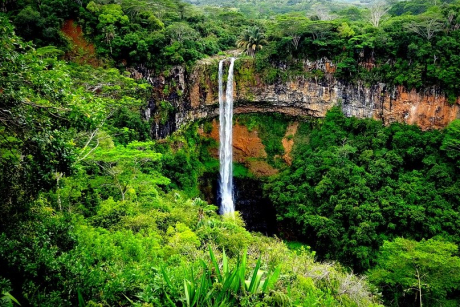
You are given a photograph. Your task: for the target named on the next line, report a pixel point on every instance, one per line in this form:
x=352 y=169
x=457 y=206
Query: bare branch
x=426 y=27
x=377 y=11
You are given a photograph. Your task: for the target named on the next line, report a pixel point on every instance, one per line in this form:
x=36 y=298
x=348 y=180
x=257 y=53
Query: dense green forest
x=355 y=185
x=411 y=43
x=94 y=212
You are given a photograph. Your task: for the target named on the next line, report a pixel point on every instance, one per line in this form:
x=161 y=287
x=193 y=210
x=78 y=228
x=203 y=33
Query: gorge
x=141 y=165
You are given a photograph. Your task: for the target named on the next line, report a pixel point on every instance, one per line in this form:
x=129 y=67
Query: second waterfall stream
x=225 y=133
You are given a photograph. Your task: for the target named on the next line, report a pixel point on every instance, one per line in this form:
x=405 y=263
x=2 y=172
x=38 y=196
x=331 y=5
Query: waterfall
x=225 y=133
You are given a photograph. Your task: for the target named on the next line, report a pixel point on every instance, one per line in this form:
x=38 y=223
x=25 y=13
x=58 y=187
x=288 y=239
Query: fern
x=8 y=300
x=219 y=285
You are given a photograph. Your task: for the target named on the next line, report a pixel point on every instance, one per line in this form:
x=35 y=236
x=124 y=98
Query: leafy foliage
x=252 y=40
x=78 y=171
x=354 y=184
x=230 y=286
x=427 y=268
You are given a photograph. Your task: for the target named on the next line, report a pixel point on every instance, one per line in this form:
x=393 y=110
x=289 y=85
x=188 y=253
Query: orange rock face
x=426 y=110
x=288 y=141
x=247 y=149
x=82 y=52
x=246 y=144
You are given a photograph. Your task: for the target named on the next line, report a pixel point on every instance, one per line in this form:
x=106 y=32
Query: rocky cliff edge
x=193 y=95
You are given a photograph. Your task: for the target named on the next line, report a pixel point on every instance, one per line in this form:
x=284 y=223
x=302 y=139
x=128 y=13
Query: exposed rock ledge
x=194 y=96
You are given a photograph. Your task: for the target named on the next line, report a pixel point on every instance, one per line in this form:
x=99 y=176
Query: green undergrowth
x=241 y=171
x=119 y=232
x=157 y=254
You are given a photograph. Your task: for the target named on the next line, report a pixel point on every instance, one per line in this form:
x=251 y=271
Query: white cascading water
x=225 y=132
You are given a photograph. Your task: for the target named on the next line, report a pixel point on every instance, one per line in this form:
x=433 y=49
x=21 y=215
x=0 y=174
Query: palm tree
x=252 y=40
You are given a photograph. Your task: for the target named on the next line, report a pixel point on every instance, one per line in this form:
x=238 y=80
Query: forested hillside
x=95 y=212
x=411 y=43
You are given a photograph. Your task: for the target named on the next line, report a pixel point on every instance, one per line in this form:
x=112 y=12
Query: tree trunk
x=58 y=178
x=419 y=287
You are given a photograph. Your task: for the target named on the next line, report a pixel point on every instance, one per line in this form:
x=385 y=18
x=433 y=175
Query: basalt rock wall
x=193 y=95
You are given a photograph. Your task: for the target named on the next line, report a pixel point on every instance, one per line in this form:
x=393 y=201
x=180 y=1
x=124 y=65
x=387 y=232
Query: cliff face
x=194 y=96
x=248 y=149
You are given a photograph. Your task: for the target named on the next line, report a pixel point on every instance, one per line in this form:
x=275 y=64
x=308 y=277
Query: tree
x=345 y=30
x=321 y=12
x=180 y=32
x=111 y=18
x=428 y=268
x=376 y=12
x=427 y=26
x=252 y=40
x=124 y=166
x=319 y=30
x=292 y=26
x=34 y=138
x=452 y=20
x=351 y=13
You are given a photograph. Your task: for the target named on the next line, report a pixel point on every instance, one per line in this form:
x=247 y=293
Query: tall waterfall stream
x=225 y=134
x=242 y=194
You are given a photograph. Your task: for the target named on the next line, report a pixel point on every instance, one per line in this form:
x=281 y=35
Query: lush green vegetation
x=426 y=268
x=264 y=9
x=355 y=184
x=411 y=43
x=95 y=213
x=156 y=34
